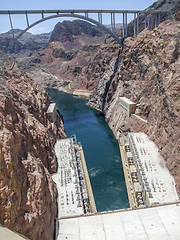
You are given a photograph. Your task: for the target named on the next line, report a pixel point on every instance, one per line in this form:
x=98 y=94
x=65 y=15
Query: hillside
x=27 y=156
x=27 y=45
x=68 y=61
x=76 y=56
x=42 y=38
x=147 y=72
x=67 y=30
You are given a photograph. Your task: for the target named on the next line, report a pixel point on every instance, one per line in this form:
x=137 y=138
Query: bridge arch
x=116 y=38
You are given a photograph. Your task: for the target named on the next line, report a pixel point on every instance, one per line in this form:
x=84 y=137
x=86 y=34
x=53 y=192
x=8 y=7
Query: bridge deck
x=79 y=11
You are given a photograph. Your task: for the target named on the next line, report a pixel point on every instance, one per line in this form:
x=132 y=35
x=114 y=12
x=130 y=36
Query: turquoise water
x=100 y=149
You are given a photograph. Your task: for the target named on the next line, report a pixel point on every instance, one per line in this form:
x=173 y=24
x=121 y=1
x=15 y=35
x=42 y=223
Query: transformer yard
x=75 y=195
x=148 y=180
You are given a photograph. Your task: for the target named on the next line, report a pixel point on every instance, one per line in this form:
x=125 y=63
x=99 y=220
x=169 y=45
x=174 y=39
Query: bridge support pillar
x=27 y=20
x=11 y=25
x=137 y=23
x=100 y=17
x=134 y=23
x=159 y=18
x=113 y=26
x=148 y=21
x=125 y=25
x=42 y=15
x=156 y=21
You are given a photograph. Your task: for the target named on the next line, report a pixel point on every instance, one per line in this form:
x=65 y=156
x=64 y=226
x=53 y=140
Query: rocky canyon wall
x=147 y=72
x=69 y=70
x=27 y=157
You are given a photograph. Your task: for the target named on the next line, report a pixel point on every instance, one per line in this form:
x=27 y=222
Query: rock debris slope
x=147 y=72
x=27 y=157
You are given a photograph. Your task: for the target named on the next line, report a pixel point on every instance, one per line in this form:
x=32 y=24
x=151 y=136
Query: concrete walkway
x=6 y=234
x=156 y=223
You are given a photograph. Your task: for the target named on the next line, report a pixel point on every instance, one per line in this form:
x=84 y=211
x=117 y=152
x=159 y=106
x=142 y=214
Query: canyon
x=146 y=71
x=28 y=202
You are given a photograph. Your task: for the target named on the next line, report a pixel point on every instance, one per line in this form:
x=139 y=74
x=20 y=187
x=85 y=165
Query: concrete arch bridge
x=84 y=14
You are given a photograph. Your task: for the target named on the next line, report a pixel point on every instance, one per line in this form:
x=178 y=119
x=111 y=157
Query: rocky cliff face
x=147 y=72
x=67 y=30
x=74 y=58
x=73 y=69
x=27 y=157
x=68 y=61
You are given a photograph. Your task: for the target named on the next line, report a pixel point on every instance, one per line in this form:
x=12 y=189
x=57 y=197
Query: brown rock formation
x=68 y=30
x=68 y=63
x=27 y=156
x=148 y=73
x=74 y=58
x=69 y=67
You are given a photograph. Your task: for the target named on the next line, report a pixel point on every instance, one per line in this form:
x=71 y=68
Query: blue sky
x=47 y=26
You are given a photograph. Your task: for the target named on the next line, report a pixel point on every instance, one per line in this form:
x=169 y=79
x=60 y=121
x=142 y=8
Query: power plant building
x=52 y=112
x=128 y=106
x=147 y=178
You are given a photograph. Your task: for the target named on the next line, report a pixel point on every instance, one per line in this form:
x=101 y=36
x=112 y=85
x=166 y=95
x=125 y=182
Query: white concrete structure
x=52 y=112
x=75 y=196
x=157 y=184
x=69 y=195
x=157 y=223
x=6 y=234
x=128 y=106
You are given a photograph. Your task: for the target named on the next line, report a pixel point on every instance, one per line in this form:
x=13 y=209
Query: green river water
x=100 y=147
